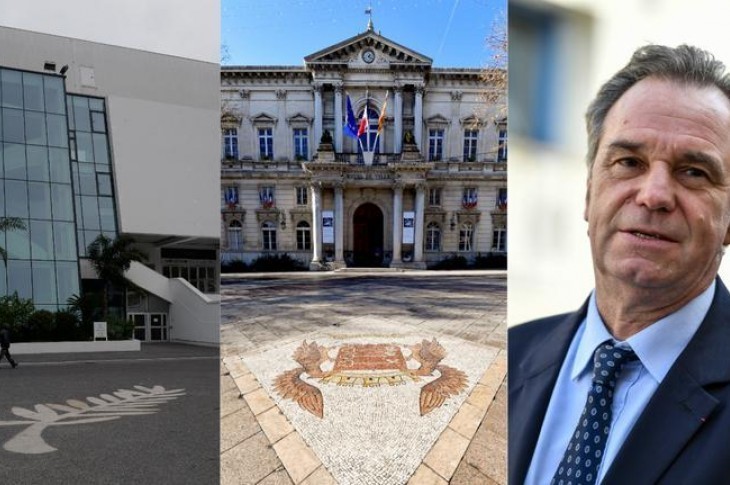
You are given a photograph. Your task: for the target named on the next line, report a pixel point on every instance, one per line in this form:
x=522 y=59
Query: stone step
x=370 y=270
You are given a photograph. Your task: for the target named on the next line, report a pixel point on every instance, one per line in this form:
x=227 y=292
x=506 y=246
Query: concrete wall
x=25 y=348
x=194 y=316
x=159 y=26
x=163 y=115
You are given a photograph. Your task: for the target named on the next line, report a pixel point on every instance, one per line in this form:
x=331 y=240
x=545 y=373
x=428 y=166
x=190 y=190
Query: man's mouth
x=649 y=236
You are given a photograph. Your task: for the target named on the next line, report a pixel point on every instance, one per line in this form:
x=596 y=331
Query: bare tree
x=495 y=73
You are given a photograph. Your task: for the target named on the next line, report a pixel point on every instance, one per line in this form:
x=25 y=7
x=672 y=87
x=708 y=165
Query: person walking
x=5 y=346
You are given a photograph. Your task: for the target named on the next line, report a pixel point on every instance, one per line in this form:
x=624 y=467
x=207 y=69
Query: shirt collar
x=657 y=346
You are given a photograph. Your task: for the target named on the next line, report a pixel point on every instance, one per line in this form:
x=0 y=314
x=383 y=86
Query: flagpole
x=382 y=115
x=367 y=115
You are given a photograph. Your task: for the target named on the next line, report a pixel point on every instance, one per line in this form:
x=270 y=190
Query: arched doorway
x=367 y=224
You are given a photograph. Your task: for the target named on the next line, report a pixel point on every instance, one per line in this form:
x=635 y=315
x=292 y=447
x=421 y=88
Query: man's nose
x=657 y=188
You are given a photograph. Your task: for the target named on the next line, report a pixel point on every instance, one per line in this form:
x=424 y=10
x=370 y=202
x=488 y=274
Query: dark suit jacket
x=683 y=435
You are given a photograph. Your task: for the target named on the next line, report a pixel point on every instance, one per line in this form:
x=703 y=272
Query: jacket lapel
x=530 y=391
x=681 y=405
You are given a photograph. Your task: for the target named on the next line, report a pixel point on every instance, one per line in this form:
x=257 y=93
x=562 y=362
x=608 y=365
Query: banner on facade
x=328 y=227
x=409 y=219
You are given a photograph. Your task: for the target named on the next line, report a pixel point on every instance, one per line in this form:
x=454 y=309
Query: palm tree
x=10 y=224
x=111 y=258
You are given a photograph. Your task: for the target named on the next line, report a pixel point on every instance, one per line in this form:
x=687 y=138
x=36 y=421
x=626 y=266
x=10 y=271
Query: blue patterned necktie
x=585 y=450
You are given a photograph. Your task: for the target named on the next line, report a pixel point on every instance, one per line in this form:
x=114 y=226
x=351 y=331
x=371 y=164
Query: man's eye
x=695 y=172
x=628 y=162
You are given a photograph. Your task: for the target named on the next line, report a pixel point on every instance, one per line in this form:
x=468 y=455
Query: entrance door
x=140 y=325
x=367 y=223
x=150 y=327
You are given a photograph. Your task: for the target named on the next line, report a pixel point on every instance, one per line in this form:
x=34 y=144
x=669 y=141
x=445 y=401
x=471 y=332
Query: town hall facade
x=365 y=156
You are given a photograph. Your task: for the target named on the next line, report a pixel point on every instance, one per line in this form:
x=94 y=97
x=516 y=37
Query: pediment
x=230 y=120
x=472 y=121
x=350 y=52
x=437 y=119
x=263 y=119
x=299 y=119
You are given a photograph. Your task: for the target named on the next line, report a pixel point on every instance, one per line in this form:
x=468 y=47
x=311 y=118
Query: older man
x=635 y=386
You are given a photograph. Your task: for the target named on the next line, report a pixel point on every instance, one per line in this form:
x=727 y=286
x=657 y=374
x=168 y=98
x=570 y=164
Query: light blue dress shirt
x=657 y=347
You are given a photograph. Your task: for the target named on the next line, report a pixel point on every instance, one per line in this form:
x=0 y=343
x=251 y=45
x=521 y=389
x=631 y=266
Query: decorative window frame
x=259 y=122
x=470 y=198
x=441 y=237
x=473 y=140
x=472 y=236
x=297 y=229
x=268 y=203
x=440 y=191
x=274 y=228
x=229 y=225
x=304 y=189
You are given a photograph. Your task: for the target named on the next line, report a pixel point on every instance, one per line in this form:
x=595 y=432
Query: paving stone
x=298 y=459
x=227 y=383
x=425 y=476
x=466 y=474
x=247 y=383
x=481 y=396
x=231 y=401
x=279 y=477
x=237 y=368
x=488 y=449
x=274 y=424
x=238 y=427
x=496 y=418
x=249 y=462
x=258 y=401
x=489 y=456
x=320 y=477
x=446 y=454
x=467 y=420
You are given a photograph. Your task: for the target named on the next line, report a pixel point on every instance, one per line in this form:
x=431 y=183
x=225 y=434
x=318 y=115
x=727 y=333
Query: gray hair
x=684 y=64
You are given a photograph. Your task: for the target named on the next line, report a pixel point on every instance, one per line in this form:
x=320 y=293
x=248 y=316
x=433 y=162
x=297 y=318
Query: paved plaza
x=364 y=378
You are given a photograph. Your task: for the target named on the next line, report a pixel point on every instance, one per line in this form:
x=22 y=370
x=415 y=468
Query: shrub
x=276 y=262
x=14 y=312
x=235 y=266
x=40 y=327
x=452 y=262
x=118 y=328
x=490 y=261
x=68 y=327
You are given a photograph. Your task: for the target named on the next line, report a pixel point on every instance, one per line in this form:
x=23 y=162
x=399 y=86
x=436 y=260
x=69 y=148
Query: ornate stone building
x=424 y=180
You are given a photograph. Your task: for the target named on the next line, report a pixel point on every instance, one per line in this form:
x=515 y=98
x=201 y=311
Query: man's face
x=658 y=200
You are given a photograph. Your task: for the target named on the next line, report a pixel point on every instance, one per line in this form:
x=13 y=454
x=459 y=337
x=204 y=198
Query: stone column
x=317 y=113
x=418 y=240
x=398 y=115
x=339 y=227
x=418 y=118
x=338 y=117
x=283 y=143
x=316 y=227
x=397 y=225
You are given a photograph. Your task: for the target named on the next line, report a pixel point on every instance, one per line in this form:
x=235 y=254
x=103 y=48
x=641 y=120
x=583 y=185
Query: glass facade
x=36 y=187
x=91 y=170
x=56 y=174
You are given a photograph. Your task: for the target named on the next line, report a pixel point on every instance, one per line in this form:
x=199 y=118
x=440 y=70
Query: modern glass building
x=56 y=178
x=94 y=139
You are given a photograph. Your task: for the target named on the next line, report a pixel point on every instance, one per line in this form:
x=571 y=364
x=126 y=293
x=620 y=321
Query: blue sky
x=282 y=32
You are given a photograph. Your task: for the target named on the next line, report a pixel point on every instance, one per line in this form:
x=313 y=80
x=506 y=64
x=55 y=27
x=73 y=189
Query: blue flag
x=350 y=127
